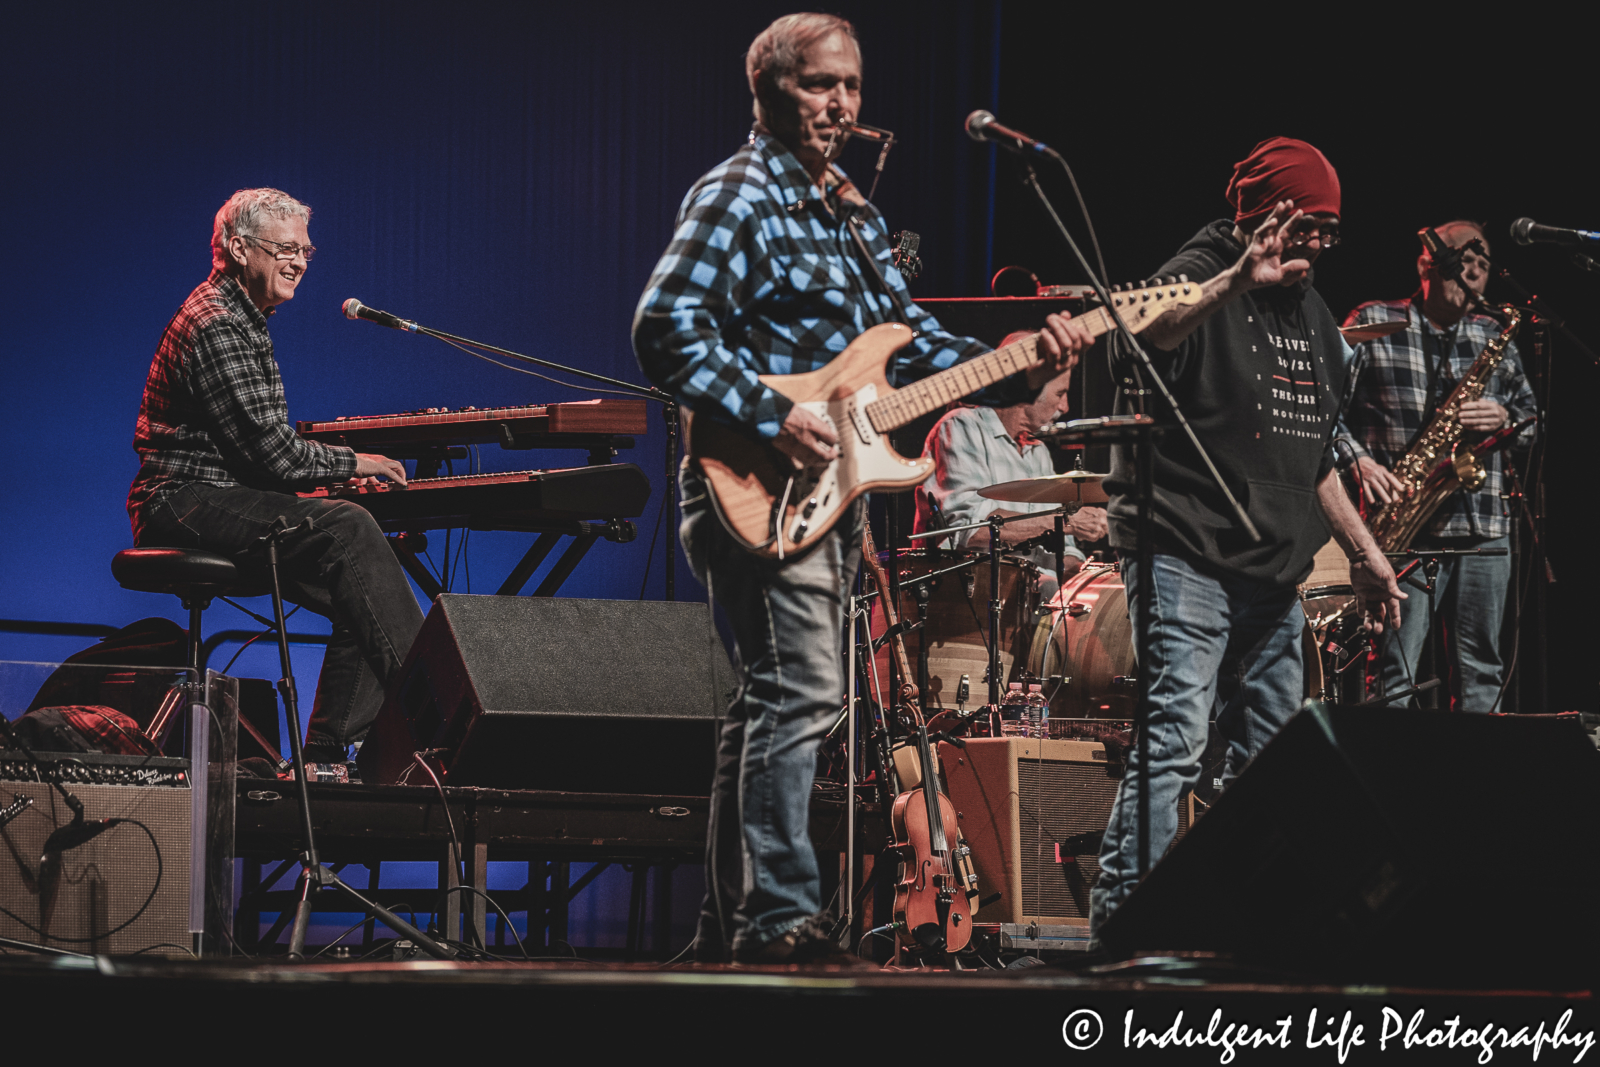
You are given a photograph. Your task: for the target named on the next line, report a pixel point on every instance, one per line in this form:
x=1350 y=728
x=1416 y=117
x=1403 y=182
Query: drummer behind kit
x=1079 y=645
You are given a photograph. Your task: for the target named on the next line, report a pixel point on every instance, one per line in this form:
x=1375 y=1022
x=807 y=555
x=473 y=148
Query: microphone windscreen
x=976 y=123
x=352 y=308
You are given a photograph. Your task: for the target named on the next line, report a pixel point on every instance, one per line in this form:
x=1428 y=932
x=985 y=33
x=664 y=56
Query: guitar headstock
x=1140 y=305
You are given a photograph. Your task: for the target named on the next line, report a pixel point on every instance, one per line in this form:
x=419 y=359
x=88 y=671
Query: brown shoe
x=807 y=944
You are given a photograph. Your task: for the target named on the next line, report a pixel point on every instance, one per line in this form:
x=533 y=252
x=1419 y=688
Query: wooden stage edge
x=1096 y=1014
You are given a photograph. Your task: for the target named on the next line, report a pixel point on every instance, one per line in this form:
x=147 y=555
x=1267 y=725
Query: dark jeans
x=342 y=569
x=1226 y=646
x=762 y=878
x=1470 y=598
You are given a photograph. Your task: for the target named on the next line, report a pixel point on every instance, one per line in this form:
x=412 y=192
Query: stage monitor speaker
x=1390 y=845
x=593 y=696
x=1033 y=813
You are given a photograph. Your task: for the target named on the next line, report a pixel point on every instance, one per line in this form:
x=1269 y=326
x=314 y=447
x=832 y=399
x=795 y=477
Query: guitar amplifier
x=122 y=891
x=78 y=899
x=1033 y=812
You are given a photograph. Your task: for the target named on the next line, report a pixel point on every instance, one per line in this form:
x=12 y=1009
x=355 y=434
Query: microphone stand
x=313 y=874
x=1143 y=444
x=671 y=411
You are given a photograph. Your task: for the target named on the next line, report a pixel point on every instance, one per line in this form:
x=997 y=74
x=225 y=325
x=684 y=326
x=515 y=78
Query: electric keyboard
x=571 y=424
x=516 y=500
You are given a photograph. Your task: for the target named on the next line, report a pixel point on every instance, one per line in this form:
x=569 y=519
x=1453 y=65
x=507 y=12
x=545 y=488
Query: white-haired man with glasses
x=220 y=463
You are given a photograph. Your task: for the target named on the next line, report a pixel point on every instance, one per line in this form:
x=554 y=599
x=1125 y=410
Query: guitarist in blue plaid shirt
x=762 y=278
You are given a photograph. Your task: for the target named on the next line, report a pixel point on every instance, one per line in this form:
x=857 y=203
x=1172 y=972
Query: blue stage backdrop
x=509 y=172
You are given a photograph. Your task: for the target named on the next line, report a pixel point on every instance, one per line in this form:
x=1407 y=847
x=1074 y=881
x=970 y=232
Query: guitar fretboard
x=1139 y=309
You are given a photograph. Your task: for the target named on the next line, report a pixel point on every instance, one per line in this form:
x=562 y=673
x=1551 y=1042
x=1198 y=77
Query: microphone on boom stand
x=1527 y=232
x=355 y=309
x=982 y=126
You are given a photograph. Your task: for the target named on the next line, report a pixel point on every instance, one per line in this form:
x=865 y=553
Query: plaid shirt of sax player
x=761 y=278
x=1391 y=405
x=214 y=409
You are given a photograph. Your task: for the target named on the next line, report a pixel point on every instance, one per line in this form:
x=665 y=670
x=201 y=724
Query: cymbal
x=1372 y=330
x=1073 y=487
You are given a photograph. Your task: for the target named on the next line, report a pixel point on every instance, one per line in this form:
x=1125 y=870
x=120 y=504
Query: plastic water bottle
x=1013 y=712
x=1037 y=712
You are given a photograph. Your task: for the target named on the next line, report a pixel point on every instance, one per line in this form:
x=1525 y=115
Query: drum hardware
x=1073 y=487
x=1372 y=331
x=993 y=523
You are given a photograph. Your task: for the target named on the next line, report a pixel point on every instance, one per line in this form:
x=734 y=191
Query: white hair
x=778 y=50
x=242 y=216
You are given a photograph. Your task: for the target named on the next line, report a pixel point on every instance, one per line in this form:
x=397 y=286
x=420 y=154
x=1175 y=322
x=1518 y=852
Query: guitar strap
x=897 y=299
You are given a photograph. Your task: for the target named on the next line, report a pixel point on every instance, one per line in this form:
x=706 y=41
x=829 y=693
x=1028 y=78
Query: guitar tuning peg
x=1184 y=278
x=1116 y=289
x=1171 y=281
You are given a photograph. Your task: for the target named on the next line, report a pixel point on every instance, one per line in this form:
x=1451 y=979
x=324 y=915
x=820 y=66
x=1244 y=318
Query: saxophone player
x=1402 y=380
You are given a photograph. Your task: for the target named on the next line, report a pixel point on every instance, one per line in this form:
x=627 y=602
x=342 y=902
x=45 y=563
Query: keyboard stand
x=408 y=545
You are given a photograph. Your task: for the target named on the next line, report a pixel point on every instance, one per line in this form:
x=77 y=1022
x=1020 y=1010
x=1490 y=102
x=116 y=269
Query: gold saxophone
x=1433 y=467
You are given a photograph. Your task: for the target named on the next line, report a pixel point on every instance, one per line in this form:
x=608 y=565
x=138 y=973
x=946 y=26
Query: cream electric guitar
x=775 y=509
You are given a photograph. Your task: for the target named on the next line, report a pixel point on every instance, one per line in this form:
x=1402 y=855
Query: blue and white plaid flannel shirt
x=1386 y=413
x=760 y=278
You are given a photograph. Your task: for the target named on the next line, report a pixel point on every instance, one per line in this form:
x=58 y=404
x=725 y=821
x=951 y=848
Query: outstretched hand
x=1262 y=263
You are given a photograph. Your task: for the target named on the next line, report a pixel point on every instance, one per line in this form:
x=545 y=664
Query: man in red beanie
x=1257 y=365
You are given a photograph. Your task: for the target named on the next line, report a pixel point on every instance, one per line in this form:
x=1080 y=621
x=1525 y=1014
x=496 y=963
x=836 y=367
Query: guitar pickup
x=857 y=407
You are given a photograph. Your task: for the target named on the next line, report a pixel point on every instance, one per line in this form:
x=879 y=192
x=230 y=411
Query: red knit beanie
x=1282 y=168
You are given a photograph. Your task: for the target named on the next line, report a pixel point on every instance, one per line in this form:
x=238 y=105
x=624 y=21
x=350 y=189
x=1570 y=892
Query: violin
x=934 y=894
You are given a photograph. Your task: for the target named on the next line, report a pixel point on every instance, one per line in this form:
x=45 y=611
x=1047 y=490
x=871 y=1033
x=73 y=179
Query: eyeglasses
x=284 y=249
x=1307 y=228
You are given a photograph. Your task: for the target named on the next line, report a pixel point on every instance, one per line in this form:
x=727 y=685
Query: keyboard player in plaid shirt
x=219 y=463
x=761 y=277
x=1403 y=378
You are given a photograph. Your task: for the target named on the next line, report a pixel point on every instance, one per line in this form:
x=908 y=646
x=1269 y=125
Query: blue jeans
x=788 y=627
x=342 y=569
x=1470 y=595
x=1222 y=644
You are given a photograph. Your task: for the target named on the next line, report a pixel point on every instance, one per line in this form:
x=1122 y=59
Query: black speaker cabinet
x=594 y=696
x=1380 y=844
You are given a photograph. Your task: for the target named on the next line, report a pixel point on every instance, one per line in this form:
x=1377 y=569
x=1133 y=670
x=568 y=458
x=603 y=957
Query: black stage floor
x=1189 y=1010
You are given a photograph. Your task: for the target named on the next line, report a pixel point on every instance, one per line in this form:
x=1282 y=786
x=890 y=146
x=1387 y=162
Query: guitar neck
x=1139 y=308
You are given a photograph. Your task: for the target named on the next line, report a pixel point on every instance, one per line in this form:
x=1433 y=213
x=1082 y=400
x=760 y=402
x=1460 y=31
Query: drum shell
x=958 y=623
x=1093 y=648
x=1327 y=594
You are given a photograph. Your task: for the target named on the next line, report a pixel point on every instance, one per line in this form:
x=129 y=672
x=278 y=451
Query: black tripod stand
x=312 y=874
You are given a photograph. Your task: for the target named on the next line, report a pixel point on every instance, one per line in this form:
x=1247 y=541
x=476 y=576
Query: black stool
x=195 y=577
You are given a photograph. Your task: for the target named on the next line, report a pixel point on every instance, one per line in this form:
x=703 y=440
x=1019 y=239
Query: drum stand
x=992 y=524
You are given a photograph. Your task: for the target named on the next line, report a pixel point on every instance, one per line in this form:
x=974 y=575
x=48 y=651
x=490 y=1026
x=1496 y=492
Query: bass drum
x=957 y=633
x=1092 y=646
x=1326 y=594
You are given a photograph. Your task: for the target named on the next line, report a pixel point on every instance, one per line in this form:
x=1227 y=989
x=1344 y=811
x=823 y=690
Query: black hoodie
x=1259 y=381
